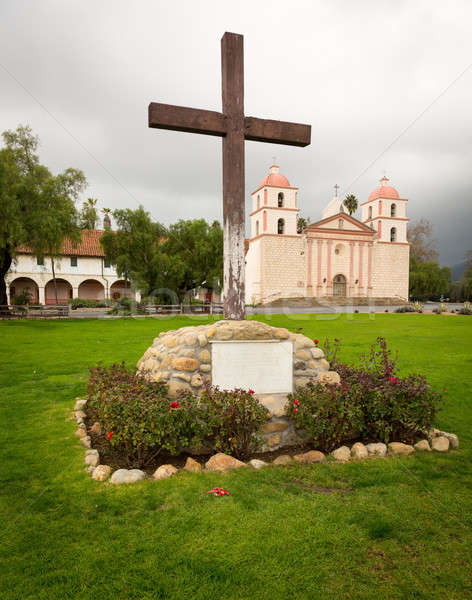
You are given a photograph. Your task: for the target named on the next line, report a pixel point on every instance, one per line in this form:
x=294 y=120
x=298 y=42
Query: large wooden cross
x=234 y=128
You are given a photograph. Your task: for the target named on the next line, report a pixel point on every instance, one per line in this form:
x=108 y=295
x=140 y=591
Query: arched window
x=257 y=227
x=280 y=199
x=341 y=224
x=393 y=234
x=258 y=200
x=280 y=226
x=393 y=210
x=370 y=212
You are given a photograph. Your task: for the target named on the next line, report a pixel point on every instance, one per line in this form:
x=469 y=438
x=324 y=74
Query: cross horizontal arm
x=277 y=132
x=182 y=118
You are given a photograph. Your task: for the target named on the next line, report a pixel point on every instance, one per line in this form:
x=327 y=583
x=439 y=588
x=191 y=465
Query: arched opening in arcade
x=24 y=290
x=120 y=289
x=64 y=292
x=91 y=289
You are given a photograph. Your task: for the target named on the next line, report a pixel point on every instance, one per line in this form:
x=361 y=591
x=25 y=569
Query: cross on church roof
x=336 y=187
x=234 y=127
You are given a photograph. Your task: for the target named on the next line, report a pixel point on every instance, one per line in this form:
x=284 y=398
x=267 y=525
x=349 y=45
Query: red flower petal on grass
x=444 y=389
x=316 y=342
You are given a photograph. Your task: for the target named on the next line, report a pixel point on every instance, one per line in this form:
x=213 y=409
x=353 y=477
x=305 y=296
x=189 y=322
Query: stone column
x=319 y=251
x=361 y=270
x=351 y=268
x=309 y=283
x=75 y=291
x=329 y=285
x=369 y=269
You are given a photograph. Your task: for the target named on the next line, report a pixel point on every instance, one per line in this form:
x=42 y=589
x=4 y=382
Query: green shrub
x=88 y=303
x=371 y=401
x=142 y=420
x=328 y=414
x=138 y=416
x=22 y=299
x=233 y=420
x=405 y=309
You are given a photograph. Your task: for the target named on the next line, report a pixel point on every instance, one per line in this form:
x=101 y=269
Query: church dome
x=384 y=191
x=275 y=178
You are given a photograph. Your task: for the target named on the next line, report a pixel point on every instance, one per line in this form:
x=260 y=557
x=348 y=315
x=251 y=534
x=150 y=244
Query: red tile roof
x=89 y=245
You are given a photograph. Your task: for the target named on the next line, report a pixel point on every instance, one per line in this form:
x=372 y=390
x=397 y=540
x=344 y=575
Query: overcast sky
x=386 y=86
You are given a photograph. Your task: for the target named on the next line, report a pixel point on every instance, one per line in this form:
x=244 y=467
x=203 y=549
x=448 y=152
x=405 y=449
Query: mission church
x=337 y=256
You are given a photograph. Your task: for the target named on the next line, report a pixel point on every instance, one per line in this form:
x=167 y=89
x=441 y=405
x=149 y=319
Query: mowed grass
x=396 y=528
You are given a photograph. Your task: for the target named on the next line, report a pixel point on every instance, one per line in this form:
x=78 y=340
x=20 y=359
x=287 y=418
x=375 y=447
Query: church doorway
x=339 y=285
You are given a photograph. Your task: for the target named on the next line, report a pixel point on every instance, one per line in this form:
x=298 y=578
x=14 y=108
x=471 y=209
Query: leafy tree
x=351 y=203
x=423 y=247
x=89 y=214
x=427 y=279
x=196 y=249
x=177 y=259
x=36 y=208
x=136 y=248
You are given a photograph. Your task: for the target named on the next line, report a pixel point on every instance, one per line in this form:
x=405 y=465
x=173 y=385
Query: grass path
x=396 y=529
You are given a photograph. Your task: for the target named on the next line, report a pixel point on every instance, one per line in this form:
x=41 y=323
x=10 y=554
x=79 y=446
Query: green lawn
x=396 y=528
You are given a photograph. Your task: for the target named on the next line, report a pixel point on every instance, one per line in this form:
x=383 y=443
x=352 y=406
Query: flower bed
x=132 y=421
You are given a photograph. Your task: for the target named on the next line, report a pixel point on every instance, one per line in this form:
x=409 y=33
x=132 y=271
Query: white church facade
x=337 y=256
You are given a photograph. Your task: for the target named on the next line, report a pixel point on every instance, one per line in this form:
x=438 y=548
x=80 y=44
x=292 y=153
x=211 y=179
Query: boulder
x=257 y=464
x=96 y=428
x=127 y=476
x=177 y=387
x=423 y=446
x=453 y=439
x=165 y=471
x=329 y=377
x=342 y=454
x=274 y=426
x=283 y=459
x=192 y=465
x=440 y=444
x=92 y=460
x=80 y=403
x=377 y=449
x=399 y=448
x=81 y=432
x=223 y=462
x=101 y=473
x=359 y=451
x=79 y=416
x=86 y=441
x=312 y=456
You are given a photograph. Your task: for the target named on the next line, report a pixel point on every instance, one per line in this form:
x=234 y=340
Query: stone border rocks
x=435 y=440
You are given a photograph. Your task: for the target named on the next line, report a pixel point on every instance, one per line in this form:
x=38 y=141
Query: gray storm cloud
x=386 y=87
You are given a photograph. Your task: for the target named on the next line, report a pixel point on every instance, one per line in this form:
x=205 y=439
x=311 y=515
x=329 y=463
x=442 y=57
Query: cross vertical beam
x=231 y=125
x=232 y=71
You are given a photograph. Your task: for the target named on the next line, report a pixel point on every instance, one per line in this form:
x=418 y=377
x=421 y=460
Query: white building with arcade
x=337 y=256
x=82 y=271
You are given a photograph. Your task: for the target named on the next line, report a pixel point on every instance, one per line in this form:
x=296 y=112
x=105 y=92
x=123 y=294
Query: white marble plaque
x=264 y=366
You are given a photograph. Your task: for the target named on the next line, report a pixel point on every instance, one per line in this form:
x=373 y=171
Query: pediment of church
x=348 y=224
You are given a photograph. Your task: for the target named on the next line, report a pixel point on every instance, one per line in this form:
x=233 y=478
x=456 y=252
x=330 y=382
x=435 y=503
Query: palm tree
x=89 y=214
x=106 y=219
x=350 y=202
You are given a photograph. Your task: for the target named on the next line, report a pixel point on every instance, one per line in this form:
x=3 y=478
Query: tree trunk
x=54 y=280
x=5 y=264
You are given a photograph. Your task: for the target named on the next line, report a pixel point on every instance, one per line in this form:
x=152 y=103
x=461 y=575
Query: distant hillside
x=458 y=271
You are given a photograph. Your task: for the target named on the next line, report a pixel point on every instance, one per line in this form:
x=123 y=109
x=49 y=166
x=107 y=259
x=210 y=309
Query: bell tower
x=385 y=212
x=274 y=206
